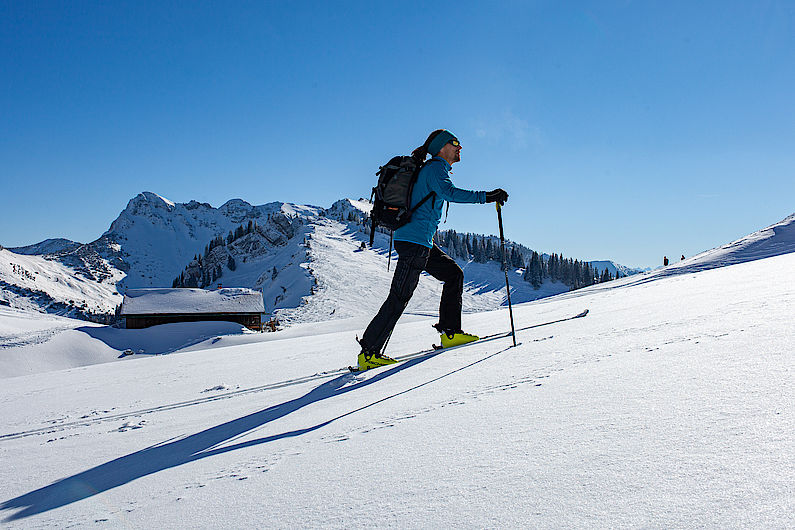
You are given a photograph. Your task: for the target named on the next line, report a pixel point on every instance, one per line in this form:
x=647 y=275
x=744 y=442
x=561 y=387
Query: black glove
x=499 y=195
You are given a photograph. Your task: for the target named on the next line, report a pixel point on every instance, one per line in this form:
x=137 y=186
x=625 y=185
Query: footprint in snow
x=218 y=388
x=130 y=426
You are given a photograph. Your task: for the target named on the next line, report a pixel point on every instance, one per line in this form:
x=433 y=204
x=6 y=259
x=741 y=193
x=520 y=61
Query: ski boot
x=453 y=337
x=369 y=360
x=456 y=338
x=372 y=359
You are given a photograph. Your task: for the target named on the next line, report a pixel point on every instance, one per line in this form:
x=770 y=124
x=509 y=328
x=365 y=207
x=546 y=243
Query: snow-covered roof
x=191 y=301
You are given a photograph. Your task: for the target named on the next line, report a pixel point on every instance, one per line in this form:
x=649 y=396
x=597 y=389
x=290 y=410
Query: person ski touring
x=417 y=251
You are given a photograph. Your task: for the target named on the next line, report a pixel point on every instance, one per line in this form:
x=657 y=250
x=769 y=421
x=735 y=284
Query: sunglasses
x=456 y=143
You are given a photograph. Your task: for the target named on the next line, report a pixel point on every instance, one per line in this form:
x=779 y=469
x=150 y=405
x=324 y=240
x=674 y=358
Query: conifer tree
x=533 y=271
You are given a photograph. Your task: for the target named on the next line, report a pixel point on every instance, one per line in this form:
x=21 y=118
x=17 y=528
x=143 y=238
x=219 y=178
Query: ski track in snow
x=94 y=417
x=248 y=468
x=534 y=379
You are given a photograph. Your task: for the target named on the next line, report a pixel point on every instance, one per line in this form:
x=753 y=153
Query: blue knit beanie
x=440 y=141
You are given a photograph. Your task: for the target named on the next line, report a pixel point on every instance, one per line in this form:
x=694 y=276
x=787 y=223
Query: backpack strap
x=431 y=194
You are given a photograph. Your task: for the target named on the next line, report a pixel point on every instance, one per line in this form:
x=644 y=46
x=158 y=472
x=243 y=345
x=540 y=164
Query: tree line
x=537 y=268
x=571 y=272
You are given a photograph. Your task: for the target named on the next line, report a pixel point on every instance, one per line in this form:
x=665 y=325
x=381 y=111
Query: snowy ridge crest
x=775 y=240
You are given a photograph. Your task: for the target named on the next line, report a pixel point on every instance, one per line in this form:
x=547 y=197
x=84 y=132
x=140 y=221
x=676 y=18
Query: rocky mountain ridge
x=155 y=242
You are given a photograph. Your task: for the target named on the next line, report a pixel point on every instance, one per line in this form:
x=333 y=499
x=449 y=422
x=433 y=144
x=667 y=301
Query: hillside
x=669 y=405
x=35 y=283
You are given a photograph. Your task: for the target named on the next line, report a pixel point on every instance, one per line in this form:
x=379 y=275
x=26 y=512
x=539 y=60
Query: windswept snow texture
x=670 y=405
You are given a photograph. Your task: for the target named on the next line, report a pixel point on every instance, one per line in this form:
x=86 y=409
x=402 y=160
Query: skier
x=417 y=252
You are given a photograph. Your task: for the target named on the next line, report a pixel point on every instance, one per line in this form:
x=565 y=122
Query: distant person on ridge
x=417 y=252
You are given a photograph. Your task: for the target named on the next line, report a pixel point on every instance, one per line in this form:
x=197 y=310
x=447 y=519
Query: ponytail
x=421 y=153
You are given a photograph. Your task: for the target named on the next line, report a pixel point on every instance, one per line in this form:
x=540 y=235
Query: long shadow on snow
x=184 y=450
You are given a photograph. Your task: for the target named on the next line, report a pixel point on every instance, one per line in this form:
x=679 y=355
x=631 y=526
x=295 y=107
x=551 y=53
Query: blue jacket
x=434 y=177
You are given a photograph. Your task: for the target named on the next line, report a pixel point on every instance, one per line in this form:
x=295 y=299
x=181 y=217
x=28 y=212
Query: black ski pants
x=413 y=259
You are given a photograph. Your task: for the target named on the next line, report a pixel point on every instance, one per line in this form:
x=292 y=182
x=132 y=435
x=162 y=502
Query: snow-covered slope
x=669 y=405
x=353 y=282
x=774 y=240
x=37 y=283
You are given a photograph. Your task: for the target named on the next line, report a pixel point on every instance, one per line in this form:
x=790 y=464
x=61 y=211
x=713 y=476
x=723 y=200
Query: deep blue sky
x=622 y=130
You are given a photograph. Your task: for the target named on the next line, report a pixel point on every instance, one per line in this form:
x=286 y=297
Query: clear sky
x=622 y=130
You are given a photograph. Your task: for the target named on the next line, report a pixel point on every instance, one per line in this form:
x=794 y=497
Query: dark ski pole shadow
x=175 y=453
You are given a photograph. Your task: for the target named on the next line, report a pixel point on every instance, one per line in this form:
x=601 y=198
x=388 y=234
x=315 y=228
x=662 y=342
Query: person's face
x=451 y=152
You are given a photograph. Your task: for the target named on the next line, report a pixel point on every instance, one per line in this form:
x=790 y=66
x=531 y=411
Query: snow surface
x=190 y=301
x=670 y=405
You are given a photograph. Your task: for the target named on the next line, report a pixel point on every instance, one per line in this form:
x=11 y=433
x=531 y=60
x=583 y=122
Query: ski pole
x=505 y=268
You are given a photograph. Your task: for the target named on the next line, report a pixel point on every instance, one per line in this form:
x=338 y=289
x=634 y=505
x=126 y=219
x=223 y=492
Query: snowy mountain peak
x=236 y=209
x=156 y=199
x=348 y=209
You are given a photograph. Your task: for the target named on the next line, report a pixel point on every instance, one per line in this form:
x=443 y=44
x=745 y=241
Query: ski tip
x=582 y=314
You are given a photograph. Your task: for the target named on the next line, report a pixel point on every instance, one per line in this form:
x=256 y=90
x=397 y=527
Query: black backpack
x=392 y=195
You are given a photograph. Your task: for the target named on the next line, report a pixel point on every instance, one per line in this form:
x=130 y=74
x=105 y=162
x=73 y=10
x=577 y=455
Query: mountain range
x=299 y=256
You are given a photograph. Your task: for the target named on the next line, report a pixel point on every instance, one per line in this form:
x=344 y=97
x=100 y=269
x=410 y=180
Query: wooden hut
x=142 y=308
